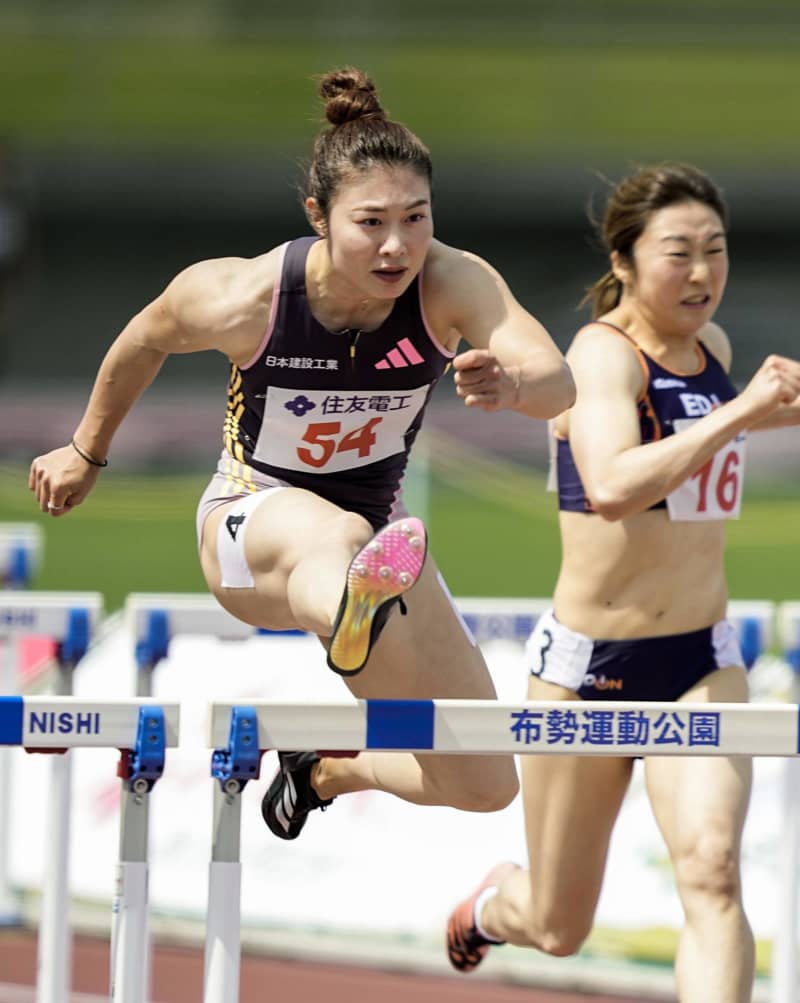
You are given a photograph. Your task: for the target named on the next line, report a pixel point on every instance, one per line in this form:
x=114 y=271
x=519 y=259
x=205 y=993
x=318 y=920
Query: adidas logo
x=402 y=355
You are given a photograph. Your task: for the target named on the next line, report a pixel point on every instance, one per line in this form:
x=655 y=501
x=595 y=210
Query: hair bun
x=349 y=94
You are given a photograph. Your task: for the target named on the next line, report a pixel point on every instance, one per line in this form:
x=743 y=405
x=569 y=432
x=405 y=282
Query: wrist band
x=85 y=456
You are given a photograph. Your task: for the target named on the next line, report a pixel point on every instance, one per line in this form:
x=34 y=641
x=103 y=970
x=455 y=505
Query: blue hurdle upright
x=70 y=619
x=20 y=553
x=785 y=948
x=20 y=556
x=141 y=730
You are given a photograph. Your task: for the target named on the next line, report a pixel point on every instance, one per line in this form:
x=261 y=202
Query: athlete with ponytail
x=335 y=343
x=649 y=467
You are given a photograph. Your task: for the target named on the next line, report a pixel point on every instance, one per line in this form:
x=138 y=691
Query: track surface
x=178 y=978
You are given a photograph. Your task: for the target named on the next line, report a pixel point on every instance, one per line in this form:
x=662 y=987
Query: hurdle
x=491 y=619
x=153 y=619
x=141 y=730
x=784 y=961
x=239 y=734
x=20 y=553
x=70 y=619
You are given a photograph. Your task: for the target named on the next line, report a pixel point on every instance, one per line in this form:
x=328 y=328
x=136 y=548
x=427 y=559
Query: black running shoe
x=290 y=796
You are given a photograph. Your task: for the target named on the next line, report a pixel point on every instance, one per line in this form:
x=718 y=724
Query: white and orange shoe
x=380 y=573
x=466 y=945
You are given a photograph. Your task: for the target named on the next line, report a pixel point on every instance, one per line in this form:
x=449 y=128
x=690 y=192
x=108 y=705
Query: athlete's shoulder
x=602 y=356
x=453 y=264
x=231 y=275
x=718 y=343
x=220 y=291
x=599 y=336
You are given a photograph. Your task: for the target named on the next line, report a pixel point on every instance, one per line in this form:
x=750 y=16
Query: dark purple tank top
x=667 y=397
x=336 y=413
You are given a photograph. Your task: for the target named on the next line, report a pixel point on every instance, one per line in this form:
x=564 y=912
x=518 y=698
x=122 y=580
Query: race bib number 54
x=715 y=491
x=324 y=431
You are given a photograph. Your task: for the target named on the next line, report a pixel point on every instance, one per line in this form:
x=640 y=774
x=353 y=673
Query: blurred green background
x=137 y=138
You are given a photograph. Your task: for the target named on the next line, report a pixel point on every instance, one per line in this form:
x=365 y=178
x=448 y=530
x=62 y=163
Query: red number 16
x=727 y=486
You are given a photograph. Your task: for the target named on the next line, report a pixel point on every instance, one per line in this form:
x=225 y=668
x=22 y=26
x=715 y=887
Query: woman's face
x=680 y=267
x=379 y=229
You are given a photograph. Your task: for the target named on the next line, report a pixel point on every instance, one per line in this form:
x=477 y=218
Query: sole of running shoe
x=382 y=571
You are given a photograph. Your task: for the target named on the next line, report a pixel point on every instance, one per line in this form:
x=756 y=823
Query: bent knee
x=351 y=527
x=709 y=868
x=488 y=797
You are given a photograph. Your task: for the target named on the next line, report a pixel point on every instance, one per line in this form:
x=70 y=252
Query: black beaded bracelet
x=85 y=456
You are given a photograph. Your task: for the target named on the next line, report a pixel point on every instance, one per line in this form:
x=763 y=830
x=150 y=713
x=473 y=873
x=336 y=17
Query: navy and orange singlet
x=667 y=398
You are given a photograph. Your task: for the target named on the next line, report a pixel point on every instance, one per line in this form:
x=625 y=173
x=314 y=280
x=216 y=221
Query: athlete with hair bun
x=649 y=467
x=336 y=342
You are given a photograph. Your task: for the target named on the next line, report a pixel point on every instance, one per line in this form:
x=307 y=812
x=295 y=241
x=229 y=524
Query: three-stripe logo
x=285 y=809
x=402 y=355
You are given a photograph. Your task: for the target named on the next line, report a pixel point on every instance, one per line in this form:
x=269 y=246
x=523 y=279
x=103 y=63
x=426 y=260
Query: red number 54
x=323 y=436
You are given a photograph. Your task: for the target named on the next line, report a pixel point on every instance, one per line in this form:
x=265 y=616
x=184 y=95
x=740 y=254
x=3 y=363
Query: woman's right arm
x=201 y=309
x=622 y=476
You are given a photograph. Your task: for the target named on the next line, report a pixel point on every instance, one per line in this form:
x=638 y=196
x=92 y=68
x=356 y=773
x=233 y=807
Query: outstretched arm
x=512 y=362
x=202 y=308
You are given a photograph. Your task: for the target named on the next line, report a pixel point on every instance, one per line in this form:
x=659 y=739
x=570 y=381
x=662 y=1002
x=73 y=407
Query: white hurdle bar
x=70 y=619
x=154 y=618
x=240 y=733
x=785 y=947
x=20 y=553
x=486 y=727
x=514 y=619
x=141 y=730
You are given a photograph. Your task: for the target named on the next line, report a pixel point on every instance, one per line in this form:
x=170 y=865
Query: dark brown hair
x=629 y=207
x=360 y=137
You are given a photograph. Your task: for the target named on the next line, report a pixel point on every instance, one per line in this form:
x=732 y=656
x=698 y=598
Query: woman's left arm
x=513 y=362
x=782 y=417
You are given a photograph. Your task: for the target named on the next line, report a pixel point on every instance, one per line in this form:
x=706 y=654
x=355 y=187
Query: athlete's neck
x=674 y=350
x=335 y=300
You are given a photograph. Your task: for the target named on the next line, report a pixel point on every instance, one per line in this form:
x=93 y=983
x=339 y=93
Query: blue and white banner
x=370 y=863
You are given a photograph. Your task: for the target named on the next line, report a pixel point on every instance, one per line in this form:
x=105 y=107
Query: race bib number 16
x=715 y=491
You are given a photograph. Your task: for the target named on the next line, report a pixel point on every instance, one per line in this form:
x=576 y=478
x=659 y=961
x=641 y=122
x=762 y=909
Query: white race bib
x=325 y=431
x=715 y=491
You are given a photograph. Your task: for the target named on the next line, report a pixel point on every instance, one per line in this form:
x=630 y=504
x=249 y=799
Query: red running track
x=178 y=978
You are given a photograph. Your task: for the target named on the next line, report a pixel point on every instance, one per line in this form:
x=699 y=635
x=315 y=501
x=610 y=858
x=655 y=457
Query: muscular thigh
x=428 y=653
x=704 y=798
x=280 y=529
x=571 y=805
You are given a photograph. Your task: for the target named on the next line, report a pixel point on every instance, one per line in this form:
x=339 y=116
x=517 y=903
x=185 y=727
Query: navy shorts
x=647 y=668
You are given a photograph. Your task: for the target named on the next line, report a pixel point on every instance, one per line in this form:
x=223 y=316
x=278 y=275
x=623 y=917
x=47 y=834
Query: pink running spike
x=383 y=570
